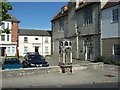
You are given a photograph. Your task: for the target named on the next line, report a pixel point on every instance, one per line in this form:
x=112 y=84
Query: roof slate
x=110 y=4
x=12 y=18
x=32 y=32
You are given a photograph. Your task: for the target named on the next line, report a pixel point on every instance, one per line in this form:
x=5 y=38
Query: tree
x=4 y=8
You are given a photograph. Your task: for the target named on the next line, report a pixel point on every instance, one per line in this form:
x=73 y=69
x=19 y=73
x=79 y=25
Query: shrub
x=100 y=59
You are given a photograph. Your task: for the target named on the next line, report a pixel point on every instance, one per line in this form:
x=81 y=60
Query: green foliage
x=106 y=60
x=7 y=31
x=4 y=11
x=100 y=59
x=4 y=8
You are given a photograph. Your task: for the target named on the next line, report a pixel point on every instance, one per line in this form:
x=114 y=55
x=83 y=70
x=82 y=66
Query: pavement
x=53 y=61
x=100 y=77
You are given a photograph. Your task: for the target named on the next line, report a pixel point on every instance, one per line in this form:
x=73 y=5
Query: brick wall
x=15 y=34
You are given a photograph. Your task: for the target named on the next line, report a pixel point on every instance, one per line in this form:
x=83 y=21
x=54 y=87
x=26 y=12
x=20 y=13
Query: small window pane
x=46 y=40
x=46 y=49
x=36 y=38
x=7 y=37
x=25 y=39
x=25 y=49
x=2 y=37
x=66 y=43
x=8 y=50
x=116 y=49
x=115 y=15
x=8 y=25
x=13 y=49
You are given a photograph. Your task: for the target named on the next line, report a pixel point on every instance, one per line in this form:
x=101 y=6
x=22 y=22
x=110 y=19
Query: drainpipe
x=76 y=31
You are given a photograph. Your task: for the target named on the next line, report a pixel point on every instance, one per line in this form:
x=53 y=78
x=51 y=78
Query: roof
x=12 y=18
x=110 y=4
x=60 y=14
x=82 y=5
x=32 y=32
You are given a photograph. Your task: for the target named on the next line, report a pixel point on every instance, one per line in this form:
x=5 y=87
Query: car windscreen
x=11 y=61
x=38 y=57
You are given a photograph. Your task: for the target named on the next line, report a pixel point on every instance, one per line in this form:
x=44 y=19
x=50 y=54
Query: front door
x=88 y=45
x=36 y=49
x=3 y=51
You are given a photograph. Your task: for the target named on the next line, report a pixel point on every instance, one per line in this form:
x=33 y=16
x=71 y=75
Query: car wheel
x=25 y=64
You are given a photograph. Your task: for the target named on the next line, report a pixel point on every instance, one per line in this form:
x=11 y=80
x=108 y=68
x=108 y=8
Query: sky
x=35 y=15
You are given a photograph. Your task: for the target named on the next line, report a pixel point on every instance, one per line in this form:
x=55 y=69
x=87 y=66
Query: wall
x=89 y=30
x=32 y=43
x=109 y=29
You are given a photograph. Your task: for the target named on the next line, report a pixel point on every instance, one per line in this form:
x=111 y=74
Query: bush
x=100 y=59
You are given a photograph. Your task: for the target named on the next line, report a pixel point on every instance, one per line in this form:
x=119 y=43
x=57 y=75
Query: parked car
x=11 y=63
x=33 y=59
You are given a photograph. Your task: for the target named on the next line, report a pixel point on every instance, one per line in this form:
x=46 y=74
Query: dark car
x=33 y=59
x=11 y=63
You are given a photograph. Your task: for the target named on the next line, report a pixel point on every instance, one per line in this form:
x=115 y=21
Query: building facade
x=9 y=42
x=81 y=26
x=34 y=41
x=110 y=30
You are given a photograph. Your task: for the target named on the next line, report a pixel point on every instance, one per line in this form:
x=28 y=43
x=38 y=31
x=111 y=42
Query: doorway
x=3 y=51
x=36 y=49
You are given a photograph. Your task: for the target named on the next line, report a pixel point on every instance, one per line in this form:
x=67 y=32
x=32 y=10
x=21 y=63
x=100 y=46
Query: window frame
x=46 y=40
x=8 y=49
x=13 y=50
x=61 y=24
x=8 y=38
x=115 y=51
x=114 y=20
x=46 y=47
x=2 y=38
x=25 y=50
x=88 y=16
x=25 y=39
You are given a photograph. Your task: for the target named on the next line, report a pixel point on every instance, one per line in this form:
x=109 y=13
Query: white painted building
x=8 y=42
x=34 y=41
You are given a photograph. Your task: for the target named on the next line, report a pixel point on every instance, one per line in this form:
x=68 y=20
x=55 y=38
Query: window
x=8 y=25
x=8 y=50
x=25 y=39
x=46 y=49
x=115 y=15
x=46 y=40
x=2 y=37
x=3 y=26
x=66 y=43
x=61 y=23
x=25 y=49
x=36 y=38
x=88 y=16
x=13 y=49
x=116 y=50
x=7 y=37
